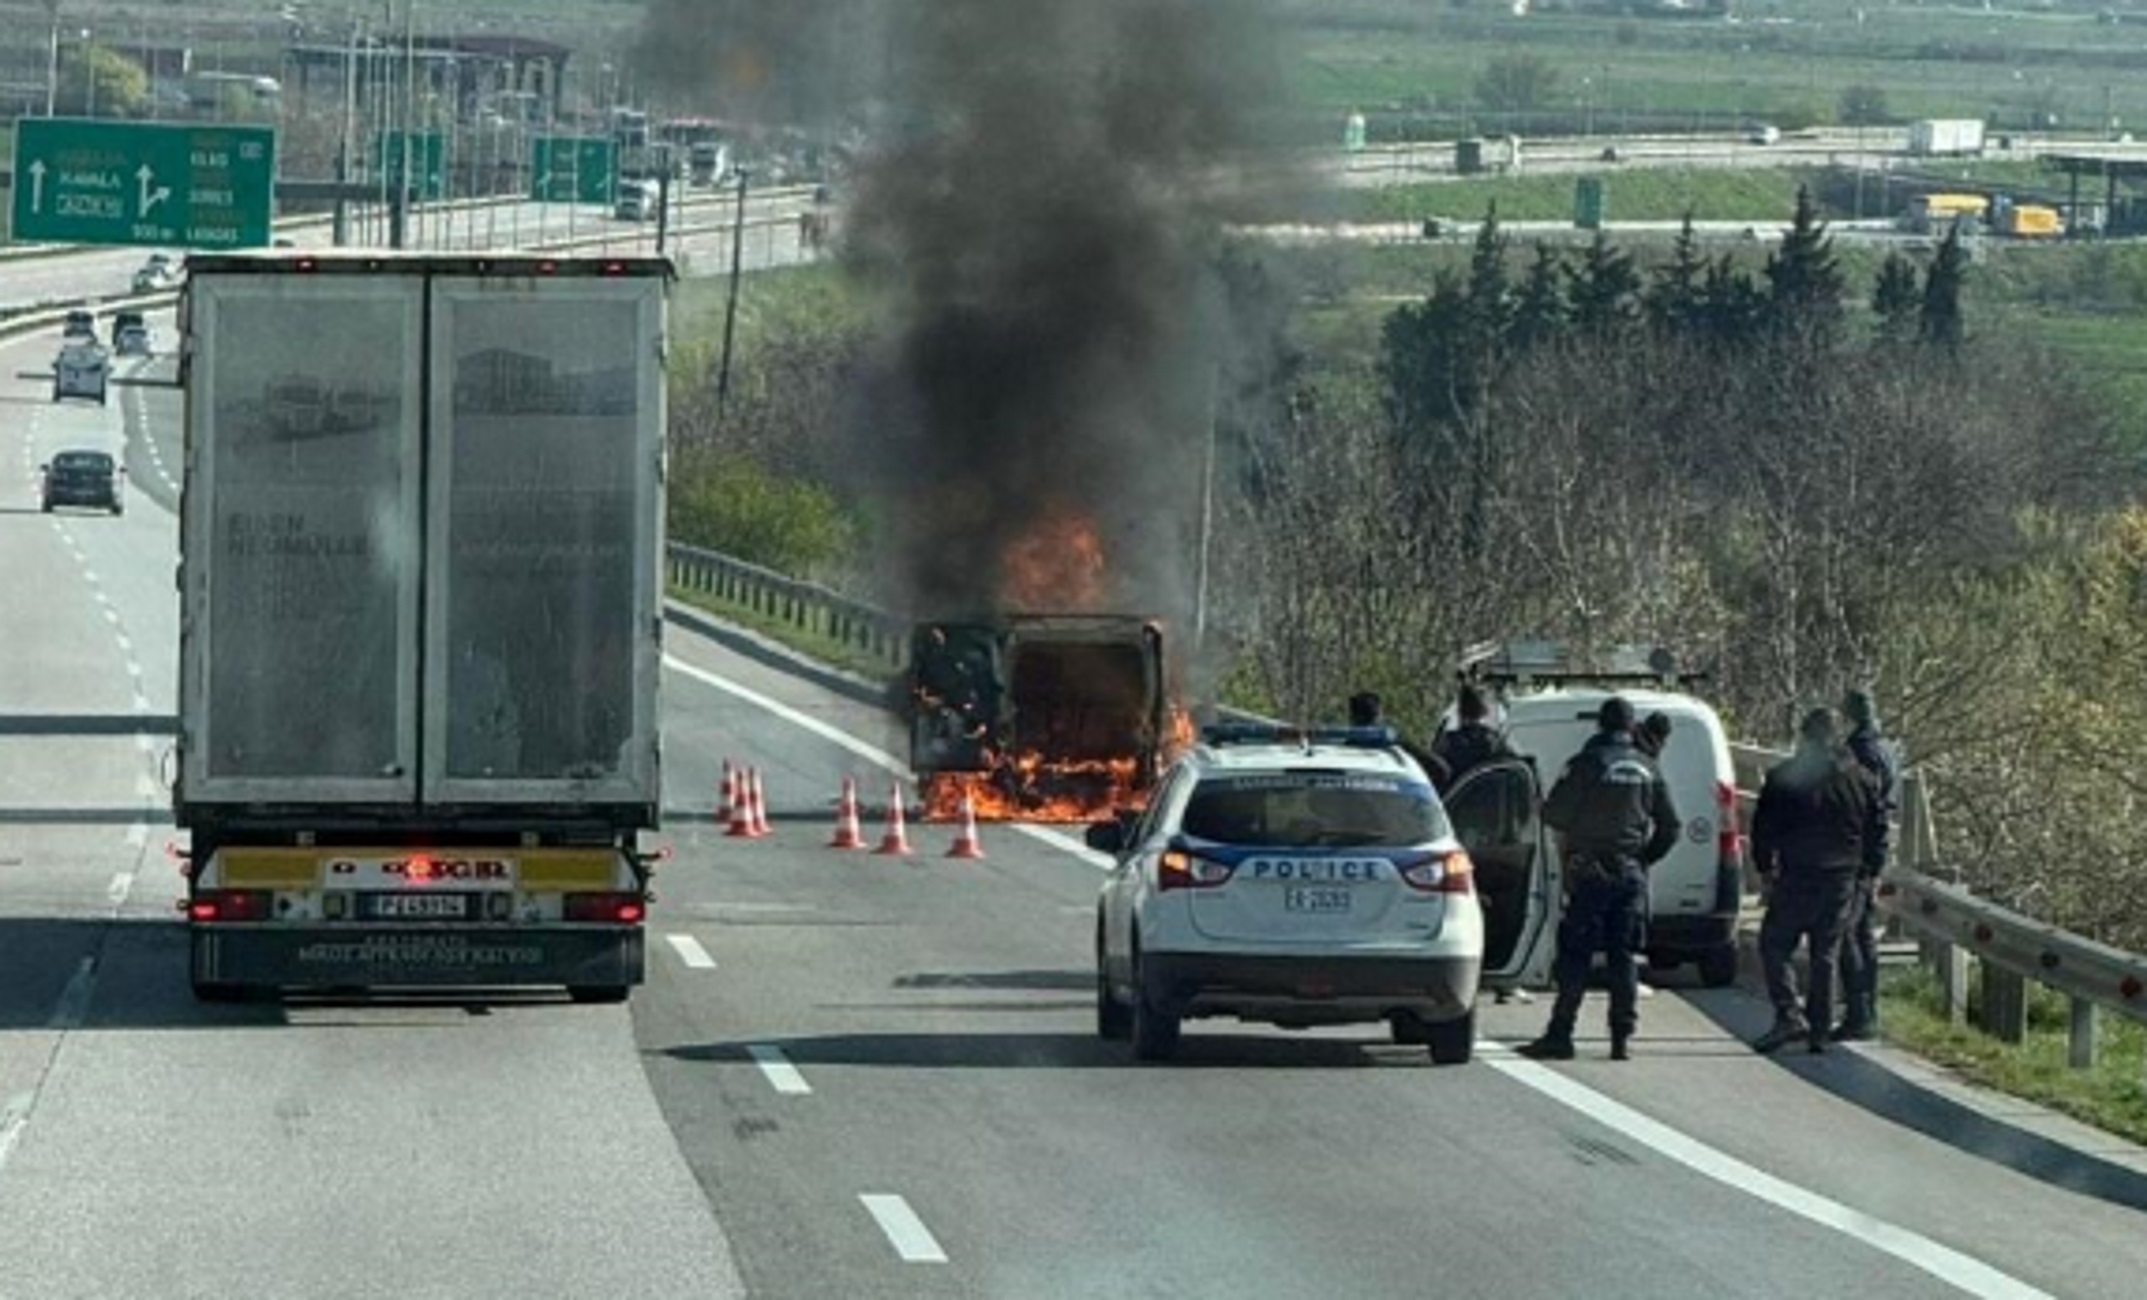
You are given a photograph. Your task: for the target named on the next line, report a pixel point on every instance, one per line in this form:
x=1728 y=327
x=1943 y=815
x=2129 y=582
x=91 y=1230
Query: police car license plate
x=417 y=907
x=1305 y=899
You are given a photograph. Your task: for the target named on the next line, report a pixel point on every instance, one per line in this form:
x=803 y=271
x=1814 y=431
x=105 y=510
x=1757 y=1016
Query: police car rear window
x=1313 y=811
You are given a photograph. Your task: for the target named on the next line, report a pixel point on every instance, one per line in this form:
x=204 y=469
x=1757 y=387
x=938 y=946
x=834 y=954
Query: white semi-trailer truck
x=420 y=548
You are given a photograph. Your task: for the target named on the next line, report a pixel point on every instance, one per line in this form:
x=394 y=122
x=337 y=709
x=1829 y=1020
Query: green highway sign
x=79 y=181
x=428 y=155
x=570 y=169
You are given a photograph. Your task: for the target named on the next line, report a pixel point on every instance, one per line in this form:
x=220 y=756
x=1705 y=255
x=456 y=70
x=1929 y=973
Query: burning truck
x=1041 y=717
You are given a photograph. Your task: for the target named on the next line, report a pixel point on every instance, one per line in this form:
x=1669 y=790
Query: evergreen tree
x=1605 y=289
x=1804 y=279
x=1732 y=309
x=1490 y=295
x=1941 y=317
x=1540 y=315
x=1896 y=299
x=1677 y=294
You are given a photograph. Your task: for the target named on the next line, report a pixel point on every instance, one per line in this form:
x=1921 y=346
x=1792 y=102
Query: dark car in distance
x=82 y=478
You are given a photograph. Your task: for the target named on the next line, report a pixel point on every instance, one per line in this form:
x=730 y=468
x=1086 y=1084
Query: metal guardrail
x=807 y=607
x=1954 y=926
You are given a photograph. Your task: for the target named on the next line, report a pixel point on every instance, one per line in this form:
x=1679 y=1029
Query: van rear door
x=1497 y=814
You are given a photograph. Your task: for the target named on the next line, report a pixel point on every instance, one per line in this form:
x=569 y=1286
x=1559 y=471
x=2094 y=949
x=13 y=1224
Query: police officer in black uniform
x=1366 y=709
x=1817 y=828
x=1860 y=944
x=1474 y=741
x=1613 y=809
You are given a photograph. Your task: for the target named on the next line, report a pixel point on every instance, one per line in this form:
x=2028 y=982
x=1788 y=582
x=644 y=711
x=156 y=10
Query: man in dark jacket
x=1612 y=809
x=1474 y=741
x=1367 y=710
x=1818 y=825
x=1653 y=735
x=1860 y=942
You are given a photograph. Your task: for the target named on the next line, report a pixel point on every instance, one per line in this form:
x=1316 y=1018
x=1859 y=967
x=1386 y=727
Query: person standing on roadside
x=1817 y=828
x=1367 y=710
x=1653 y=735
x=1613 y=813
x=1860 y=942
x=1473 y=741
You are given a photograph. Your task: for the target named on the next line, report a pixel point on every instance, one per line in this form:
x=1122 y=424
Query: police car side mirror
x=1107 y=837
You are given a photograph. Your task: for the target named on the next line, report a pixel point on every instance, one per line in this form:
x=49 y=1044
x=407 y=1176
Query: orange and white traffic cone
x=848 y=834
x=741 y=808
x=966 y=844
x=759 y=807
x=729 y=798
x=895 y=843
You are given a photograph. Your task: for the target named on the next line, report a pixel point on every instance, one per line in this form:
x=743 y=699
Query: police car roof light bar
x=1268 y=733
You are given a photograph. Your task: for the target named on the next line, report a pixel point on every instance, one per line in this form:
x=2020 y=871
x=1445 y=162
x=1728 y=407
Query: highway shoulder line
x=778 y=1071
x=1920 y=1252
x=690 y=951
x=905 y=1231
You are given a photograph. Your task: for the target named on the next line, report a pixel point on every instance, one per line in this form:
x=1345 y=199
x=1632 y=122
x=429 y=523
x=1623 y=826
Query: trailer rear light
x=1178 y=869
x=230 y=905
x=614 y=909
x=615 y=268
x=547 y=267
x=1441 y=873
x=306 y=264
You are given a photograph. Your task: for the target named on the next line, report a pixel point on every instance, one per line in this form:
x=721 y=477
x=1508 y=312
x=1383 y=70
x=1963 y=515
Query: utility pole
x=350 y=128
x=730 y=307
x=399 y=218
x=52 y=60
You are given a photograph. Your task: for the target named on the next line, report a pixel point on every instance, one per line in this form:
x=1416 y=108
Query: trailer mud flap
x=433 y=956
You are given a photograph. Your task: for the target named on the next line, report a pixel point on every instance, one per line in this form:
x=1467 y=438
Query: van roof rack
x=1552 y=663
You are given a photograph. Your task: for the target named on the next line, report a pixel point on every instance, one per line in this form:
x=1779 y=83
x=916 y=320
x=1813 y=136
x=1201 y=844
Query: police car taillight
x=611 y=909
x=1178 y=869
x=1442 y=873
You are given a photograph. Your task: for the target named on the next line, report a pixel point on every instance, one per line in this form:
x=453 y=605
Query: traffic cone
x=848 y=834
x=966 y=844
x=759 y=807
x=895 y=843
x=729 y=798
x=741 y=809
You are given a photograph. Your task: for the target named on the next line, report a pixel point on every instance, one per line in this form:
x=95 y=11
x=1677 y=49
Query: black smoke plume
x=1038 y=205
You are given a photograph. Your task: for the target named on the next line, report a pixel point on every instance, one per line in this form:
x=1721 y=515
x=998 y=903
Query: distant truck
x=1041 y=717
x=417 y=702
x=708 y=164
x=2031 y=221
x=1945 y=137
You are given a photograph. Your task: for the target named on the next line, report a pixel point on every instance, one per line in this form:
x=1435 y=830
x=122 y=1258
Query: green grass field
x=1724 y=194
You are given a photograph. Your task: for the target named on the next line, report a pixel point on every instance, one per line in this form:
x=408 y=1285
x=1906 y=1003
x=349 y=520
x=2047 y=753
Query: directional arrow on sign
x=150 y=197
x=37 y=186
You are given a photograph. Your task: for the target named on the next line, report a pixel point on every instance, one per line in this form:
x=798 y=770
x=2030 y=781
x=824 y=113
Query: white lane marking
x=13 y=1116
x=137 y=836
x=1059 y=839
x=778 y=1071
x=145 y=786
x=126 y=643
x=872 y=754
x=74 y=1002
x=1911 y=1248
x=123 y=883
x=690 y=951
x=141 y=705
x=905 y=1231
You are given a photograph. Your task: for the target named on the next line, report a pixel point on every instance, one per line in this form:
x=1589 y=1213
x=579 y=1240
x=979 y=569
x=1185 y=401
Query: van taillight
x=609 y=909
x=1442 y=873
x=1178 y=869
x=229 y=905
x=1729 y=844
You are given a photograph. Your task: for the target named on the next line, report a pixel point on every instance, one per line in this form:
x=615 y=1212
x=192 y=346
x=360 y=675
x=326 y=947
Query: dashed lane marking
x=905 y=1231
x=778 y=1071
x=690 y=951
x=74 y=1001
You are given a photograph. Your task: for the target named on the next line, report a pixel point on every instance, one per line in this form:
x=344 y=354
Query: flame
x=1032 y=788
x=1059 y=565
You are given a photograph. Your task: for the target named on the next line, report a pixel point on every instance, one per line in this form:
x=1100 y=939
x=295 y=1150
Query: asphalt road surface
x=849 y=1074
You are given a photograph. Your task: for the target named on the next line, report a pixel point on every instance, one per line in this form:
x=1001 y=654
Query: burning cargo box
x=1040 y=717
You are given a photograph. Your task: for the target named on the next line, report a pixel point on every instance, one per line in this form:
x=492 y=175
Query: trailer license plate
x=1303 y=899
x=419 y=907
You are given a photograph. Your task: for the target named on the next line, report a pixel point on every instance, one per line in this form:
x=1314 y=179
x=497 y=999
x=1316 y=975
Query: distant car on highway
x=637 y=201
x=1307 y=878
x=1762 y=133
x=160 y=271
x=82 y=369
x=132 y=339
x=81 y=478
x=81 y=323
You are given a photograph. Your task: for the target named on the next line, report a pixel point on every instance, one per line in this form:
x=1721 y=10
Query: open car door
x=1497 y=814
x=956 y=681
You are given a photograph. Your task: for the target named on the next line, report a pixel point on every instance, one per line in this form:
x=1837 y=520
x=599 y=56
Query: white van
x=637 y=200
x=1695 y=892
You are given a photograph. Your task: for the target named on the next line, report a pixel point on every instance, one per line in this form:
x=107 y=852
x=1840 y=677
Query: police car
x=1304 y=878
